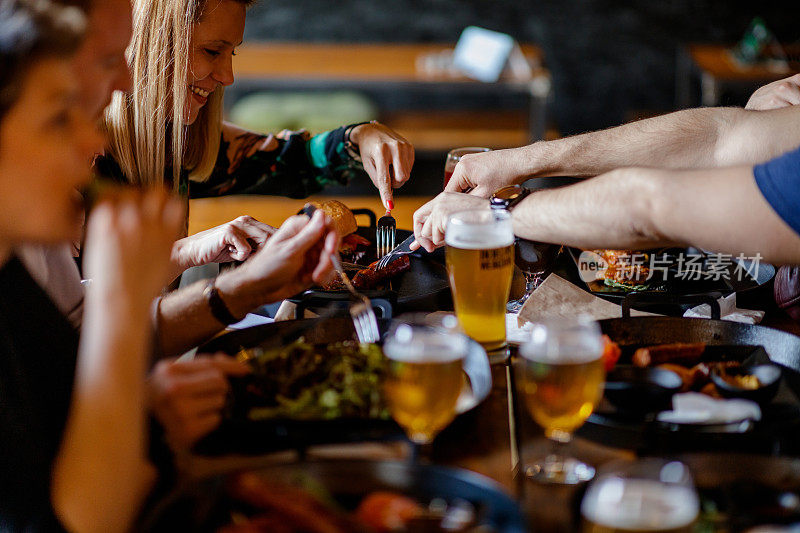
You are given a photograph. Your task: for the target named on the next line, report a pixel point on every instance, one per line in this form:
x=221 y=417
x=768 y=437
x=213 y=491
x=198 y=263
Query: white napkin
x=728 y=311
x=516 y=333
x=698 y=408
x=250 y=320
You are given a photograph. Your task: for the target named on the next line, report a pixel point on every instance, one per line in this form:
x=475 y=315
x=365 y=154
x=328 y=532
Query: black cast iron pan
x=780 y=424
x=206 y=505
x=239 y=435
x=423 y=288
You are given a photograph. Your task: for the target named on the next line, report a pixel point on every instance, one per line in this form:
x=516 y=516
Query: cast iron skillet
x=239 y=435
x=204 y=505
x=780 y=423
x=423 y=288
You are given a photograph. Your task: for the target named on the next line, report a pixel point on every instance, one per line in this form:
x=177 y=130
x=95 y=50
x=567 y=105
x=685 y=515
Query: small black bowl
x=768 y=375
x=640 y=391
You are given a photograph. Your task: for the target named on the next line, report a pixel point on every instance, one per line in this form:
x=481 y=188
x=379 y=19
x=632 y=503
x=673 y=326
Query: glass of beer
x=480 y=263
x=454 y=156
x=562 y=383
x=646 y=495
x=425 y=377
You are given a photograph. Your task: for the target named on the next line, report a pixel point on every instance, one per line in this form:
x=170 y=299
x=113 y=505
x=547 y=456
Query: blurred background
x=317 y=64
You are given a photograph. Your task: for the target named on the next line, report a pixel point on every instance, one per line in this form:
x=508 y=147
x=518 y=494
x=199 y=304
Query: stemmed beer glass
x=562 y=383
x=425 y=376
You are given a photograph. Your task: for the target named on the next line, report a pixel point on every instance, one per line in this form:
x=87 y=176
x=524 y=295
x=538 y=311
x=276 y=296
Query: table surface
x=482 y=440
x=717 y=61
x=351 y=62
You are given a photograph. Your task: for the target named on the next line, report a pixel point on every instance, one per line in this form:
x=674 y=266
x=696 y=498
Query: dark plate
x=243 y=436
x=674 y=285
x=205 y=505
x=424 y=287
x=725 y=340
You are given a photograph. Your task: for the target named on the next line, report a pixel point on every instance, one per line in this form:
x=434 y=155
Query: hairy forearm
x=101 y=473
x=714 y=209
x=683 y=139
x=692 y=138
x=184 y=317
x=611 y=211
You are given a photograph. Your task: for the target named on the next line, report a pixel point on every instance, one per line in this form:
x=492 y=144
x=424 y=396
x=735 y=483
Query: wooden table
x=492 y=439
x=206 y=213
x=401 y=68
x=719 y=69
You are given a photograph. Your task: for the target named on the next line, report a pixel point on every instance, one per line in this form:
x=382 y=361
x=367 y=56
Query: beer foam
x=476 y=236
x=639 y=504
x=426 y=350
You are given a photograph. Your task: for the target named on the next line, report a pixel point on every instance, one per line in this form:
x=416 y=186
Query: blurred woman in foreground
x=72 y=439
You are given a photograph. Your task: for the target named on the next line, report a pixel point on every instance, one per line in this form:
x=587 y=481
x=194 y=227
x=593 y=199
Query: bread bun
x=343 y=218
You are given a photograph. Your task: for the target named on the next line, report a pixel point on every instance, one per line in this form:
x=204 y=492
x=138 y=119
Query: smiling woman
x=169 y=127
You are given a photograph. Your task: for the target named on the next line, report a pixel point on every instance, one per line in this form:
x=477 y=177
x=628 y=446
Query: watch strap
x=217 y=305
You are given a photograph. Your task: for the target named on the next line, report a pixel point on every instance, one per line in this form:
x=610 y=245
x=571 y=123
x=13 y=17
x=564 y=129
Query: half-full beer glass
x=480 y=261
x=425 y=377
x=562 y=383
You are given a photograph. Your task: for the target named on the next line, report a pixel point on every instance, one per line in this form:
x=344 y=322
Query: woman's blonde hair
x=146 y=126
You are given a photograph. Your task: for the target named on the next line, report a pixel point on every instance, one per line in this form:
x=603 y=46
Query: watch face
x=508 y=194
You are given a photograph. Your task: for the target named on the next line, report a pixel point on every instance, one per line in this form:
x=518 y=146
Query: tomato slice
x=611 y=353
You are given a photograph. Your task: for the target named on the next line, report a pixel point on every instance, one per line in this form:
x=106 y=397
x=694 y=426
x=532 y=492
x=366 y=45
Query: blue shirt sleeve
x=779 y=182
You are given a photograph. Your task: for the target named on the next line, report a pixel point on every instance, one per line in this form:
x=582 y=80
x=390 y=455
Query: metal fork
x=364 y=319
x=384 y=237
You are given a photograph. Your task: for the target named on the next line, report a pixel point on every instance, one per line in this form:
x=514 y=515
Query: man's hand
x=482 y=174
x=430 y=220
x=233 y=241
x=187 y=396
x=775 y=95
x=296 y=256
x=387 y=158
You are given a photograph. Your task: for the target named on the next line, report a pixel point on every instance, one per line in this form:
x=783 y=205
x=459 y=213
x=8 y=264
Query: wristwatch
x=506 y=198
x=216 y=304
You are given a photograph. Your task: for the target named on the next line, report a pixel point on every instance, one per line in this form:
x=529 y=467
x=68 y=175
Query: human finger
x=400 y=164
x=310 y=234
x=383 y=180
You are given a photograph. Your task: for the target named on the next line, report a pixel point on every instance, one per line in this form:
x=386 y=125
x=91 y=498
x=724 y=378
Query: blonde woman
x=169 y=126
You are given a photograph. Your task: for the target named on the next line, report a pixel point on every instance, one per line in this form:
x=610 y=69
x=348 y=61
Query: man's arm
x=692 y=138
x=718 y=209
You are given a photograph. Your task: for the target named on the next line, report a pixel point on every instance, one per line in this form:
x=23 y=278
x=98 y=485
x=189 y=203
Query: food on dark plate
x=385 y=511
x=353 y=247
x=685 y=359
x=747 y=381
x=677 y=353
x=259 y=505
x=282 y=508
x=314 y=381
x=626 y=269
x=611 y=353
x=372 y=276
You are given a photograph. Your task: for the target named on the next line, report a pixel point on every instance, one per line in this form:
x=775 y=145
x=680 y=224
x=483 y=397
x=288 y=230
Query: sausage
x=678 y=353
x=369 y=278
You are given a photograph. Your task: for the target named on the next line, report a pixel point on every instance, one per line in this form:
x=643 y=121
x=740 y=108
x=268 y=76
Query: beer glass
x=562 y=383
x=650 y=495
x=454 y=156
x=425 y=377
x=536 y=261
x=480 y=263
